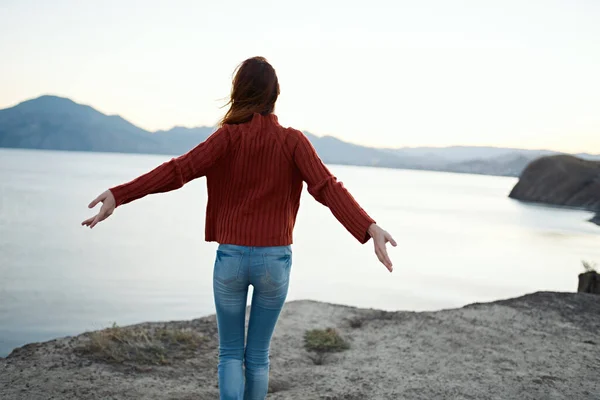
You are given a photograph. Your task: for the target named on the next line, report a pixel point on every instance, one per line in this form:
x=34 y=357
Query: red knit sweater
x=254 y=173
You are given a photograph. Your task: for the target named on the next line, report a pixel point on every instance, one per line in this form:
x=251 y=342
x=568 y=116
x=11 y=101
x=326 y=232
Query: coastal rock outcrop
x=561 y=180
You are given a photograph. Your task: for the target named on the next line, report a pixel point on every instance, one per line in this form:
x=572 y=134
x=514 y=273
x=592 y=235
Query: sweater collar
x=270 y=117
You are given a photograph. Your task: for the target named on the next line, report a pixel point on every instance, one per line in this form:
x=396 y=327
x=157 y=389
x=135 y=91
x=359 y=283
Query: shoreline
x=541 y=345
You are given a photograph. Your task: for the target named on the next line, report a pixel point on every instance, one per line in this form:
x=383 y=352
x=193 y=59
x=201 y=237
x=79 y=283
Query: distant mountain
x=56 y=123
x=336 y=151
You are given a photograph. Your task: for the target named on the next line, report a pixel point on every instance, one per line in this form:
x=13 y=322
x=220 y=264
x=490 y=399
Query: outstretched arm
x=326 y=189
x=176 y=172
x=169 y=176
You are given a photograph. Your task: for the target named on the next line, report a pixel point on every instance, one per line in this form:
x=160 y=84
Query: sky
x=380 y=73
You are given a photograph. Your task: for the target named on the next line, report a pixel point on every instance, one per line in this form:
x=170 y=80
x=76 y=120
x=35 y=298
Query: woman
x=255 y=169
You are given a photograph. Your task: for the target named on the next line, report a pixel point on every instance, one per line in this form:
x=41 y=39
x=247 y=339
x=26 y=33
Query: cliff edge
x=539 y=346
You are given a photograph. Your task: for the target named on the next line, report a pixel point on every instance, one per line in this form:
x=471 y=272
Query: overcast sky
x=381 y=73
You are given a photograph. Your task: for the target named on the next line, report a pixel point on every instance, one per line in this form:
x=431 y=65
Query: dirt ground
x=540 y=346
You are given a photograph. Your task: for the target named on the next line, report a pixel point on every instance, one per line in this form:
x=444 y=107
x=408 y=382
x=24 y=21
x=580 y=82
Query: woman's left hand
x=380 y=239
x=108 y=207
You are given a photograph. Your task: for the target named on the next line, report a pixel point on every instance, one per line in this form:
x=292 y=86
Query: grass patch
x=322 y=342
x=141 y=345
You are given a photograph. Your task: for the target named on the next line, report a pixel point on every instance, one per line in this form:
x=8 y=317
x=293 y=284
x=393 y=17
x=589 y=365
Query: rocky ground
x=540 y=346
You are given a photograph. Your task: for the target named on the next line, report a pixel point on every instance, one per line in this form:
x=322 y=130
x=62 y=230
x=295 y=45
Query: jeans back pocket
x=227 y=266
x=277 y=268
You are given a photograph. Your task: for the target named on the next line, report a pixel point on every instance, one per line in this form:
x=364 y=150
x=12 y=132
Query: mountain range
x=56 y=123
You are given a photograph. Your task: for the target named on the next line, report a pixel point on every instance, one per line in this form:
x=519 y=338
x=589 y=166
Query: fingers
x=383 y=257
x=95 y=221
x=91 y=222
x=386 y=259
x=97 y=200
x=88 y=221
x=390 y=239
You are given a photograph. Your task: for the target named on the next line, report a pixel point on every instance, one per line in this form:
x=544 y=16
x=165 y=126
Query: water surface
x=461 y=240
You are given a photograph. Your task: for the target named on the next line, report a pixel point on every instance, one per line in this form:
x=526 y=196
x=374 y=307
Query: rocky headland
x=561 y=180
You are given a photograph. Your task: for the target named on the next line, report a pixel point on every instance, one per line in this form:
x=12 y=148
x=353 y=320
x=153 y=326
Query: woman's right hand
x=108 y=207
x=380 y=239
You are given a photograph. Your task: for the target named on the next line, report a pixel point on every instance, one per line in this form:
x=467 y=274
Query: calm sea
x=461 y=240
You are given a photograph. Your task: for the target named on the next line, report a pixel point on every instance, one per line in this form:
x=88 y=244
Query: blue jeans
x=267 y=269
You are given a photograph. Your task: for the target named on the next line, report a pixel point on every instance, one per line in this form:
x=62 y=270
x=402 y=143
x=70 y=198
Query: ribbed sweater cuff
x=364 y=222
x=118 y=193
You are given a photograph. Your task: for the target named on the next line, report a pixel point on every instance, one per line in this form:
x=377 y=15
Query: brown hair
x=255 y=89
